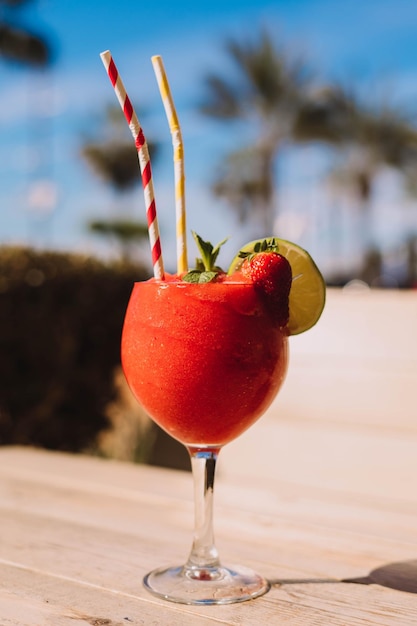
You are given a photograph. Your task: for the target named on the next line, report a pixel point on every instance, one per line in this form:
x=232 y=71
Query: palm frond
x=115 y=162
x=17 y=44
x=122 y=229
x=222 y=100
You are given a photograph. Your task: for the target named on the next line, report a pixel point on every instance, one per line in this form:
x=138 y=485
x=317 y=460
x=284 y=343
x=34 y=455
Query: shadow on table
x=401 y=576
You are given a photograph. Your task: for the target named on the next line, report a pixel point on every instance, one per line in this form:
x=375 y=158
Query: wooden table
x=319 y=496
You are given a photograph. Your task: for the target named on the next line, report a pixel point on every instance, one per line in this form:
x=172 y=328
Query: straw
x=144 y=162
x=174 y=126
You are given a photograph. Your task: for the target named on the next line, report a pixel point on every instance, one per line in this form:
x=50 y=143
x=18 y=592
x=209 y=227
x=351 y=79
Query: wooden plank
x=358 y=365
x=349 y=458
x=308 y=603
x=49 y=600
x=62 y=533
x=36 y=539
x=124 y=505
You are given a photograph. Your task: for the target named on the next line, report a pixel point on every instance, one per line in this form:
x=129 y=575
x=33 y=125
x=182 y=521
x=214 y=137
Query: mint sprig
x=206 y=269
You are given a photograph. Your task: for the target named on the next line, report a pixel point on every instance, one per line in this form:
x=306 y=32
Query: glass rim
x=183 y=283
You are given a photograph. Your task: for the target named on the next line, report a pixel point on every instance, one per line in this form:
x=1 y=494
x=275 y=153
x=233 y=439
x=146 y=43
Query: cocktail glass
x=205 y=361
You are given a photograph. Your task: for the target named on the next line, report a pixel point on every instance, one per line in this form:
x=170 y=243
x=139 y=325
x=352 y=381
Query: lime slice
x=308 y=289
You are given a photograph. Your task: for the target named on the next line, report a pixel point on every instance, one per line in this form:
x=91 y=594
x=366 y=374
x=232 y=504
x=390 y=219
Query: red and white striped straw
x=144 y=162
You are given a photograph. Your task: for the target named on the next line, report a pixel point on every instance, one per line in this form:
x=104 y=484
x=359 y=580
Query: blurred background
x=299 y=119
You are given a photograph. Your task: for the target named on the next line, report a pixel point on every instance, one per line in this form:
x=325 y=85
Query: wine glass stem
x=203 y=556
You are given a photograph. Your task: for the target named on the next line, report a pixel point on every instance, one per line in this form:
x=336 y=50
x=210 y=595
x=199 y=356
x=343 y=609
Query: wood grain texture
x=78 y=534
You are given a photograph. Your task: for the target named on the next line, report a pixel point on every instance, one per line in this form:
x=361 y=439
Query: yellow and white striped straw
x=174 y=127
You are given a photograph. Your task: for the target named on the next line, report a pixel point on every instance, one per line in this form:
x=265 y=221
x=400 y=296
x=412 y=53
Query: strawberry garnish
x=271 y=275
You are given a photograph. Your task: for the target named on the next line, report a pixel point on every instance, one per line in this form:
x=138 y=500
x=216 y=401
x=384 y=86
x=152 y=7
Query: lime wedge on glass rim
x=308 y=289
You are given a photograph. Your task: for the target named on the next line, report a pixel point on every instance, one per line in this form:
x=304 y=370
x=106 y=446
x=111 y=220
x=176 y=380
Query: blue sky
x=46 y=116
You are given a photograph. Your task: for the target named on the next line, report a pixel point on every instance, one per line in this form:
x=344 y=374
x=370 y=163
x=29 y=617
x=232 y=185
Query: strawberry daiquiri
x=205 y=353
x=204 y=360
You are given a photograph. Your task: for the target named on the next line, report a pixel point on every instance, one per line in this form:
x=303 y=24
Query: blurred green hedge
x=61 y=318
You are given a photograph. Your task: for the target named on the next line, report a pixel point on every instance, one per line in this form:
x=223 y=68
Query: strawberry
x=271 y=274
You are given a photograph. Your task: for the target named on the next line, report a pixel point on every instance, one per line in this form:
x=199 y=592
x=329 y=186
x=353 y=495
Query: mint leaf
x=195 y=276
x=207 y=277
x=216 y=250
x=209 y=253
x=199 y=265
x=192 y=277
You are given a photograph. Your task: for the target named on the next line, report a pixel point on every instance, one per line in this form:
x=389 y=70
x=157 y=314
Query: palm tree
x=377 y=136
x=273 y=94
x=369 y=137
x=126 y=233
x=17 y=43
x=281 y=103
x=116 y=162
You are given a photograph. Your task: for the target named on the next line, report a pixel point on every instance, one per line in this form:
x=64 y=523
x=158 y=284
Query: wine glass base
x=217 y=585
